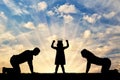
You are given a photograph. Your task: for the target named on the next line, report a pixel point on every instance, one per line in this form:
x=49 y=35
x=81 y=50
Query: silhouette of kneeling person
x=60 y=56
x=92 y=59
x=16 y=60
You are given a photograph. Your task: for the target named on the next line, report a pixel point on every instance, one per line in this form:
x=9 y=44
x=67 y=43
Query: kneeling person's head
x=36 y=51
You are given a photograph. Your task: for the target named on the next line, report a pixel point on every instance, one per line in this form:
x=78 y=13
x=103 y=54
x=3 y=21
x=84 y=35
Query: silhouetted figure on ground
x=60 y=56
x=16 y=60
x=92 y=59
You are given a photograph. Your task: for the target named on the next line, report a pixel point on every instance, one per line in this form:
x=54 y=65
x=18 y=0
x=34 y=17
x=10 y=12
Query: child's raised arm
x=52 y=46
x=67 y=44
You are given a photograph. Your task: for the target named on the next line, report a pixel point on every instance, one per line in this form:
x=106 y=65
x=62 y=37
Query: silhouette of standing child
x=92 y=59
x=60 y=56
x=16 y=60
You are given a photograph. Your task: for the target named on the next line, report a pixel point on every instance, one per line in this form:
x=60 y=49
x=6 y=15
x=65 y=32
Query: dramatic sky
x=90 y=24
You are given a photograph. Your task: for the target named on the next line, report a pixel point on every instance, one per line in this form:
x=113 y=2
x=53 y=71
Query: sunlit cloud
x=68 y=18
x=50 y=13
x=6 y=37
x=67 y=8
x=109 y=15
x=42 y=26
x=63 y=11
x=91 y=19
x=87 y=34
x=29 y=25
x=42 y=5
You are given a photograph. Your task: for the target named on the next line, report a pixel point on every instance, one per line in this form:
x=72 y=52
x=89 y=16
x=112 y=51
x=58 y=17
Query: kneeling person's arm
x=30 y=65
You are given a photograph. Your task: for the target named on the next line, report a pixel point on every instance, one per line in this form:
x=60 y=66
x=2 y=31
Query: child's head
x=87 y=54
x=36 y=51
x=83 y=52
x=60 y=44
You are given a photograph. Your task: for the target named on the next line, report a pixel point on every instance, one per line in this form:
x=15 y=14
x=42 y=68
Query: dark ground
x=60 y=76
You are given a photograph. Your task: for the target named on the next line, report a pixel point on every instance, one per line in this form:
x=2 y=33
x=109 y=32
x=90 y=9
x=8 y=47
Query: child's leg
x=16 y=67
x=7 y=70
x=56 y=69
x=113 y=71
x=63 y=69
x=106 y=65
x=4 y=70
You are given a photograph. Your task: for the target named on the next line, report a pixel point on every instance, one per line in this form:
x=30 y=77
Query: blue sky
x=94 y=25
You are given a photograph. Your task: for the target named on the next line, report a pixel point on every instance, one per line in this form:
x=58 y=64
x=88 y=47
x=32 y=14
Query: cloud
x=63 y=11
x=67 y=8
x=103 y=50
x=101 y=6
x=111 y=28
x=42 y=26
x=18 y=48
x=50 y=13
x=3 y=18
x=53 y=37
x=29 y=25
x=109 y=15
x=42 y=6
x=91 y=19
x=86 y=34
x=2 y=28
x=7 y=36
x=107 y=39
x=68 y=18
x=2 y=15
x=15 y=8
